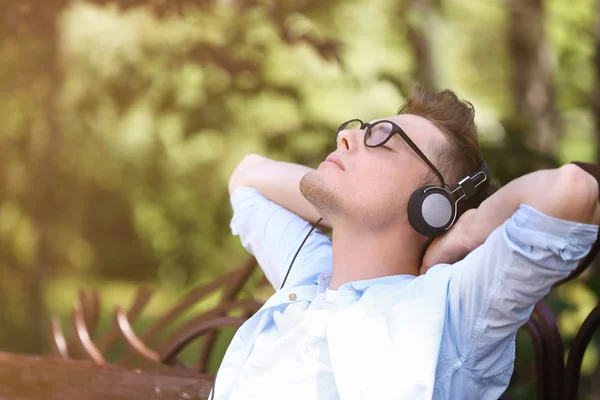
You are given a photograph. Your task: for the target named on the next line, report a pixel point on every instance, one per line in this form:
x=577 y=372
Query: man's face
x=373 y=186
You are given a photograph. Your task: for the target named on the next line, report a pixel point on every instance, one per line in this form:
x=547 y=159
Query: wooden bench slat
x=44 y=378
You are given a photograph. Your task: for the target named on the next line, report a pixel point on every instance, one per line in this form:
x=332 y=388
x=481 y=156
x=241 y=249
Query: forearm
x=495 y=287
x=567 y=193
x=278 y=181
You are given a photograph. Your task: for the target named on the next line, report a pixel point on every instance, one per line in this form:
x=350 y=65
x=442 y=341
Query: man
x=368 y=314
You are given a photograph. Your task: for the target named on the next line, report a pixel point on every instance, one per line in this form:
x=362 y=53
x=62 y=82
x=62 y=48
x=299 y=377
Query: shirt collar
x=362 y=285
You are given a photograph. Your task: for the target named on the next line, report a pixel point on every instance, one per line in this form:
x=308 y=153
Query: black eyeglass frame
x=395 y=129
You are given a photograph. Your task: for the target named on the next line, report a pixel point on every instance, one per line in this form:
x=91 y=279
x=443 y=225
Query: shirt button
x=292 y=296
x=322 y=279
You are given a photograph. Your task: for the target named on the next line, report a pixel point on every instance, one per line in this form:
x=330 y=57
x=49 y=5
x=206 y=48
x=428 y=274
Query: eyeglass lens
x=378 y=133
x=375 y=134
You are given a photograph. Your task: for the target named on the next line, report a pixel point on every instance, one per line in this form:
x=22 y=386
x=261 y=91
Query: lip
x=334 y=158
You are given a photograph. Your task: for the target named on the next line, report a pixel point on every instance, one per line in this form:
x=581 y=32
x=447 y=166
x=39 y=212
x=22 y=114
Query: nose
x=347 y=139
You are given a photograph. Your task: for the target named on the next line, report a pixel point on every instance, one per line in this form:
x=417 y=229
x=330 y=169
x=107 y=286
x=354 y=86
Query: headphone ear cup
x=431 y=210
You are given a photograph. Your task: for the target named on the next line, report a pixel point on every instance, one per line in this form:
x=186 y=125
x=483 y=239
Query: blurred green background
x=121 y=121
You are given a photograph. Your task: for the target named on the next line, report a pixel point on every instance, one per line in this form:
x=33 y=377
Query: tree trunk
x=534 y=93
x=417 y=15
x=45 y=207
x=42 y=202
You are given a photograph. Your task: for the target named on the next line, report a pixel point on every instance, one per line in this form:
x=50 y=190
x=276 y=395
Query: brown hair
x=456 y=119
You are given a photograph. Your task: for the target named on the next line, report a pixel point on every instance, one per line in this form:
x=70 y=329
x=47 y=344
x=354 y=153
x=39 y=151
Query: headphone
x=432 y=209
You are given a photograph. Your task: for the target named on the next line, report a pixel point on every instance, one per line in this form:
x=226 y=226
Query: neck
x=360 y=254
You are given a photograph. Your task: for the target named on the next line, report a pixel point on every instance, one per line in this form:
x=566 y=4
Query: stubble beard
x=314 y=189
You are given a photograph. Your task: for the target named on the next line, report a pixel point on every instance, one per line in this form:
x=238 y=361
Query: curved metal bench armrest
x=578 y=347
x=172 y=349
x=90 y=304
x=83 y=338
x=142 y=298
x=533 y=330
x=140 y=301
x=237 y=275
x=128 y=334
x=235 y=278
x=58 y=342
x=553 y=347
x=249 y=307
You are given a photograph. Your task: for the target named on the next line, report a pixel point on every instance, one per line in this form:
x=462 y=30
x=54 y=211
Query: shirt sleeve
x=493 y=290
x=273 y=234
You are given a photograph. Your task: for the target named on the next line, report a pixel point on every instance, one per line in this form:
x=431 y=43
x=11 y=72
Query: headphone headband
x=469 y=184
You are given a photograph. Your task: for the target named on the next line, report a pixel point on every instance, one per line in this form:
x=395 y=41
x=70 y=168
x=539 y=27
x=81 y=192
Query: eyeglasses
x=380 y=132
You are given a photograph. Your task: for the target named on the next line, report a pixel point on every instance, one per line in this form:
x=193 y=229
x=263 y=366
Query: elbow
x=580 y=190
x=242 y=172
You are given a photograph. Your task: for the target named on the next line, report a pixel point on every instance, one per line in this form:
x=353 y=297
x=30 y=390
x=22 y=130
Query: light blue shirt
x=448 y=334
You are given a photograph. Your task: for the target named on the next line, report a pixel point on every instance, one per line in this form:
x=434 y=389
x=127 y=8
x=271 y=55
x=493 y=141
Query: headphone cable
x=212 y=396
x=296 y=255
